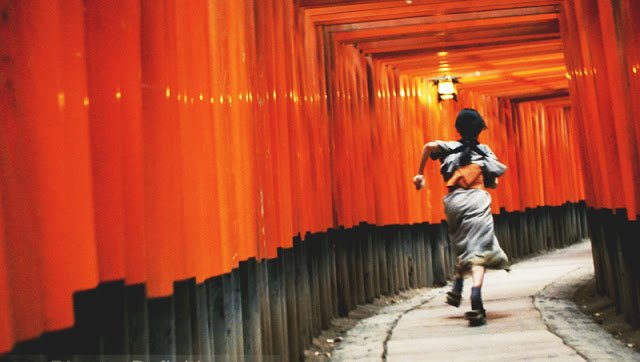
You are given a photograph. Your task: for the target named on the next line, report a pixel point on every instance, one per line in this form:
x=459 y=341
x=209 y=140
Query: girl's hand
x=418 y=181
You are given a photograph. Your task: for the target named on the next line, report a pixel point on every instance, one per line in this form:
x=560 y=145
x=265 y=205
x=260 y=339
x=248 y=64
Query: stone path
x=530 y=317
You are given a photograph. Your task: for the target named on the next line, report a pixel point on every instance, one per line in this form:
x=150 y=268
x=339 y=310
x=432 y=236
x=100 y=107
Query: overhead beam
x=563 y=95
x=461 y=19
x=479 y=37
x=533 y=48
x=373 y=11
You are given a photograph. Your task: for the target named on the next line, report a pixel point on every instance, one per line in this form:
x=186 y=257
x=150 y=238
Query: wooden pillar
x=438 y=257
x=137 y=322
x=280 y=349
x=376 y=250
x=251 y=316
x=161 y=328
x=217 y=314
x=342 y=275
x=327 y=281
x=358 y=256
x=313 y=248
x=428 y=254
x=264 y=291
x=291 y=306
x=182 y=293
x=383 y=261
x=331 y=267
x=303 y=292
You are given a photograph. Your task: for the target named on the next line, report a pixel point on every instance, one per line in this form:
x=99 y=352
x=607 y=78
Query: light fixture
x=446 y=89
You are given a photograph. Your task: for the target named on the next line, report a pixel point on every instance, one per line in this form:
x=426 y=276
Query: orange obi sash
x=467 y=177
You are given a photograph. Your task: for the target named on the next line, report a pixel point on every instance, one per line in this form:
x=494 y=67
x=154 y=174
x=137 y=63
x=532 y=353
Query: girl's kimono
x=468 y=206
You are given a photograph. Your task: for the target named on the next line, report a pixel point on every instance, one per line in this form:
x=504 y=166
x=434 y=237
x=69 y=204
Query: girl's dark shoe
x=454 y=298
x=476 y=317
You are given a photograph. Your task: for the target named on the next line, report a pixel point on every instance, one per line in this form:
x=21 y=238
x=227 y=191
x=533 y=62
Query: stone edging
x=563 y=318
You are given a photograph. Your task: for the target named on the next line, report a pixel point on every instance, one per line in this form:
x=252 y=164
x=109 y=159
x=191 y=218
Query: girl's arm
x=427 y=150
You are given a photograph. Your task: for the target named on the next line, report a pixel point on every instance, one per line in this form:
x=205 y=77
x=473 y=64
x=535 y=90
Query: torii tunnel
x=211 y=177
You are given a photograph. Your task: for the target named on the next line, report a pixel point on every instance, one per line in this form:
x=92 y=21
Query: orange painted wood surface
x=601 y=66
x=157 y=141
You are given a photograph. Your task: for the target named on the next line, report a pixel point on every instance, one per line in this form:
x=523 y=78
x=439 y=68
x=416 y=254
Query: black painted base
x=270 y=310
x=616 y=248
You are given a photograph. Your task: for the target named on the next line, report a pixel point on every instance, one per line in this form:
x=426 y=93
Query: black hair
x=469 y=124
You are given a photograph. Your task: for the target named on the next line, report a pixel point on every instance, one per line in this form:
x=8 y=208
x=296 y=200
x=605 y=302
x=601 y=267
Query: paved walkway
x=530 y=317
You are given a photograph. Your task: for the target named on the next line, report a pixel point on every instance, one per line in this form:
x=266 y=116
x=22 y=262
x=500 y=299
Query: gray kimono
x=469 y=213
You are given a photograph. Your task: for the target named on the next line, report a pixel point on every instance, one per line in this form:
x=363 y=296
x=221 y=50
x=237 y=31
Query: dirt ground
x=323 y=345
x=603 y=312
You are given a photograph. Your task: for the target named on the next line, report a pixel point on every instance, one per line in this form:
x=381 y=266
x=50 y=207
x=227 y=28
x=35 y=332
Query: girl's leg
x=458 y=281
x=454 y=297
x=477 y=274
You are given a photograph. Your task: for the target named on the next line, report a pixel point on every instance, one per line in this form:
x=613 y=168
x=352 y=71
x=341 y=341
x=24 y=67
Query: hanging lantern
x=446 y=89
